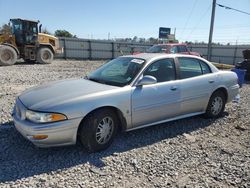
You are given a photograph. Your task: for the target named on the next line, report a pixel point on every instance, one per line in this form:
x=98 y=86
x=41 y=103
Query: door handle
x=211 y=81
x=173 y=88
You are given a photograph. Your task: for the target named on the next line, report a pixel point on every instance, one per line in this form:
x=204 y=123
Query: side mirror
x=147 y=80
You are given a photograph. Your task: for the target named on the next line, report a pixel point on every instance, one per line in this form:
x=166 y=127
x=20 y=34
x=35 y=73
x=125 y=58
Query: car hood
x=55 y=93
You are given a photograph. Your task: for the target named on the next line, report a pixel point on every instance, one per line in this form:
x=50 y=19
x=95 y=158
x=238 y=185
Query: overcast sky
x=129 y=18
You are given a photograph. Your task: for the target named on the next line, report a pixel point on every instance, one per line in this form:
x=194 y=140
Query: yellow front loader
x=27 y=42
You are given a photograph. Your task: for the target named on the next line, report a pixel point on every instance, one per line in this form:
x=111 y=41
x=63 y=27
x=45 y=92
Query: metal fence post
x=90 y=50
x=113 y=50
x=64 y=48
x=235 y=53
x=132 y=50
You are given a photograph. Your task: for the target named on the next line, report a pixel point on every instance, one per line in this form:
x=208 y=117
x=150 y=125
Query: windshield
x=27 y=26
x=16 y=26
x=157 y=49
x=118 y=72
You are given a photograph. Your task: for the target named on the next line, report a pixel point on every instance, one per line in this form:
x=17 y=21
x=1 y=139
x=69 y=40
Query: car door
x=196 y=86
x=159 y=101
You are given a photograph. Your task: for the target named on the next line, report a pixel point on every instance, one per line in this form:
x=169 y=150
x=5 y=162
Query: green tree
x=153 y=40
x=135 y=39
x=5 y=29
x=64 y=33
x=46 y=31
x=142 y=40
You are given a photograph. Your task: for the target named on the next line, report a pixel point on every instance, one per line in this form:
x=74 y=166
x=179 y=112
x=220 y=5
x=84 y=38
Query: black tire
x=90 y=132
x=44 y=56
x=8 y=55
x=216 y=105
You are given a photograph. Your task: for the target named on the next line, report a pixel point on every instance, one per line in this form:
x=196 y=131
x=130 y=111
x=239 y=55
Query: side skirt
x=166 y=120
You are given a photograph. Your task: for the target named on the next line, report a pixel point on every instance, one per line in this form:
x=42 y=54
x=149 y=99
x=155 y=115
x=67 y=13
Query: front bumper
x=59 y=50
x=59 y=133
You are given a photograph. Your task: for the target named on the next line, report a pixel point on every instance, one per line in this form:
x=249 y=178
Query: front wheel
x=98 y=130
x=45 y=55
x=216 y=105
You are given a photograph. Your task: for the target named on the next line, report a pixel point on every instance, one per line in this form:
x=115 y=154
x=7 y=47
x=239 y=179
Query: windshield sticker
x=139 y=61
x=129 y=78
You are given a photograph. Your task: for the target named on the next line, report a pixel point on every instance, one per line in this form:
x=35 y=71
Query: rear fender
x=15 y=48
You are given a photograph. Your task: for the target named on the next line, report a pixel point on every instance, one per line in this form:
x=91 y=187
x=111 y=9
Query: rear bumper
x=59 y=133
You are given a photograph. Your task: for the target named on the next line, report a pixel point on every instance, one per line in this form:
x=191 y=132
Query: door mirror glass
x=147 y=80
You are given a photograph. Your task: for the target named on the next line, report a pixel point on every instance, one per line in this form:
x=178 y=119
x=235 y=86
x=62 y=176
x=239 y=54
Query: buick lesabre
x=127 y=93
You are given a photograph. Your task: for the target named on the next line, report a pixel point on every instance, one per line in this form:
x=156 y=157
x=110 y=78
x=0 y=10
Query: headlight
x=40 y=117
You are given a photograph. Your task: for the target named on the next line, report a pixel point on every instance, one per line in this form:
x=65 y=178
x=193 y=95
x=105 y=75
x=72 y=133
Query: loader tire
x=8 y=55
x=45 y=55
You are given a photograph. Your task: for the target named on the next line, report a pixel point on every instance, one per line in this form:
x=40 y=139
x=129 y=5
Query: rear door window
x=205 y=68
x=189 y=67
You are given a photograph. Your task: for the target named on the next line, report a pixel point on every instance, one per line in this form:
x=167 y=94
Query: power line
x=226 y=27
x=230 y=8
x=189 y=16
x=198 y=23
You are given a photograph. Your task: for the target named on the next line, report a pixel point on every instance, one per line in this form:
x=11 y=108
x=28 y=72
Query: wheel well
x=122 y=121
x=223 y=90
x=47 y=46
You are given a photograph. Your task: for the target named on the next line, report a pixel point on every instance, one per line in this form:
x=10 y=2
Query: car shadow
x=27 y=63
x=20 y=159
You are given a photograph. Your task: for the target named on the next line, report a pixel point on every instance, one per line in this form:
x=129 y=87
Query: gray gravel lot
x=192 y=152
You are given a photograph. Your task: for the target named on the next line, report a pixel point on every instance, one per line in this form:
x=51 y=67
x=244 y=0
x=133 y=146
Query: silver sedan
x=127 y=93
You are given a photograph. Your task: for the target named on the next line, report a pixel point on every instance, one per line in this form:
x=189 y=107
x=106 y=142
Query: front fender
x=81 y=106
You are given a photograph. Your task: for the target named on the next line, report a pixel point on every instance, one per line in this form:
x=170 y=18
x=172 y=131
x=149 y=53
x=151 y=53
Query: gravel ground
x=192 y=152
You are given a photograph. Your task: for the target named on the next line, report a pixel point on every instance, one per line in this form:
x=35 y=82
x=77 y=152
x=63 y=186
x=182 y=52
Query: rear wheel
x=216 y=105
x=45 y=55
x=8 y=55
x=98 y=130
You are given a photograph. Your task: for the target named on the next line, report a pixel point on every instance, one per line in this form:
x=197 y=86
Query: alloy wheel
x=216 y=105
x=104 y=130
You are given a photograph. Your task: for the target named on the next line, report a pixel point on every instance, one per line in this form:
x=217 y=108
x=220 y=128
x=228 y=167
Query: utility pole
x=209 y=49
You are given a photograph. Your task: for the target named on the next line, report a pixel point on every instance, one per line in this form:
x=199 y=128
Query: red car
x=171 y=48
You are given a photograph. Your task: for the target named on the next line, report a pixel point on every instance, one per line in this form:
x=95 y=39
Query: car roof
x=171 y=44
x=151 y=56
